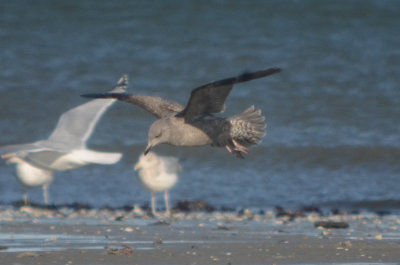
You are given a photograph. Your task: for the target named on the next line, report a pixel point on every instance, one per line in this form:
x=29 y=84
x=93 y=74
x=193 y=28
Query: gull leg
x=239 y=147
x=166 y=199
x=233 y=150
x=229 y=148
x=26 y=201
x=153 y=205
x=46 y=193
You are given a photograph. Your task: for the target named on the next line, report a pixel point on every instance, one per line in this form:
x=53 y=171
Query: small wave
x=380 y=206
x=335 y=156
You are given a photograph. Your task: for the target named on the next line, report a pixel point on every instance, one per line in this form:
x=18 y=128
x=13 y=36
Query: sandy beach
x=31 y=235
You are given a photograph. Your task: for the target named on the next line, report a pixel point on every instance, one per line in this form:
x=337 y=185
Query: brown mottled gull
x=194 y=124
x=158 y=174
x=65 y=148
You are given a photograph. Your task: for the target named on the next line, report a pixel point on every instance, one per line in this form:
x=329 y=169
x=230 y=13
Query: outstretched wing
x=170 y=164
x=157 y=106
x=210 y=98
x=76 y=125
x=22 y=150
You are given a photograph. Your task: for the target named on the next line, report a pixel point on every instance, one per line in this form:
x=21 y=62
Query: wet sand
x=106 y=236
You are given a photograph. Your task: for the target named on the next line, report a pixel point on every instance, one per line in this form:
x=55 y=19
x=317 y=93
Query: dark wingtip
x=120 y=96
x=254 y=75
x=272 y=70
x=247 y=76
x=96 y=95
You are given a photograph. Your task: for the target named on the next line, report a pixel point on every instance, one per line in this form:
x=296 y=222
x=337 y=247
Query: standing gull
x=65 y=148
x=158 y=174
x=194 y=124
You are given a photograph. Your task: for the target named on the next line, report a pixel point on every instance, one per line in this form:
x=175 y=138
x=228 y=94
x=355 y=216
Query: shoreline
x=32 y=235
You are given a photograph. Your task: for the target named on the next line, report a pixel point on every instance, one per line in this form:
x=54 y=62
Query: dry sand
x=90 y=236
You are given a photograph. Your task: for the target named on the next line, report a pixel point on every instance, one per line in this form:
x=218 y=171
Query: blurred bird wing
x=171 y=165
x=76 y=125
x=22 y=150
x=159 y=107
x=44 y=159
x=210 y=98
x=54 y=160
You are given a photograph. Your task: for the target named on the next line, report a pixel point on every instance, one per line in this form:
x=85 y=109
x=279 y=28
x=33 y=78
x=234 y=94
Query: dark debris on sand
x=331 y=224
x=126 y=250
x=281 y=212
x=193 y=206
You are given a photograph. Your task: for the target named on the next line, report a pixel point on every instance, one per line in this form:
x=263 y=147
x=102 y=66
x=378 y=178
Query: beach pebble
x=158 y=241
x=326 y=233
x=247 y=213
x=214 y=258
x=128 y=229
x=345 y=245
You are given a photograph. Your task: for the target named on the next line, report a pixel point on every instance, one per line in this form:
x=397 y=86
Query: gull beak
x=7 y=156
x=148 y=147
x=10 y=158
x=146 y=151
x=137 y=165
x=13 y=159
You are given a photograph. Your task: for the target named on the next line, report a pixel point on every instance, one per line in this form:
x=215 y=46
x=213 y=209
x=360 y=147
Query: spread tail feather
x=248 y=128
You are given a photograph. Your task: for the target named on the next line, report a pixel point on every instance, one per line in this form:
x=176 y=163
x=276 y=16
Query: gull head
x=146 y=161
x=159 y=133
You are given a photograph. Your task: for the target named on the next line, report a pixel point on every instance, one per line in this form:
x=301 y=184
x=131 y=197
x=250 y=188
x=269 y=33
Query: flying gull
x=158 y=174
x=65 y=148
x=194 y=124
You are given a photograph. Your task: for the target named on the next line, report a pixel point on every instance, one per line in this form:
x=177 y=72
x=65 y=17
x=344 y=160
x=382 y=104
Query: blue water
x=333 y=113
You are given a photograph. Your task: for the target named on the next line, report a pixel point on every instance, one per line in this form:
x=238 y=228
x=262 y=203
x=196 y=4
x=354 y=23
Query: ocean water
x=333 y=114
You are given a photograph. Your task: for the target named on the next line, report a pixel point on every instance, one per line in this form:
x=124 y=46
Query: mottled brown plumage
x=194 y=124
